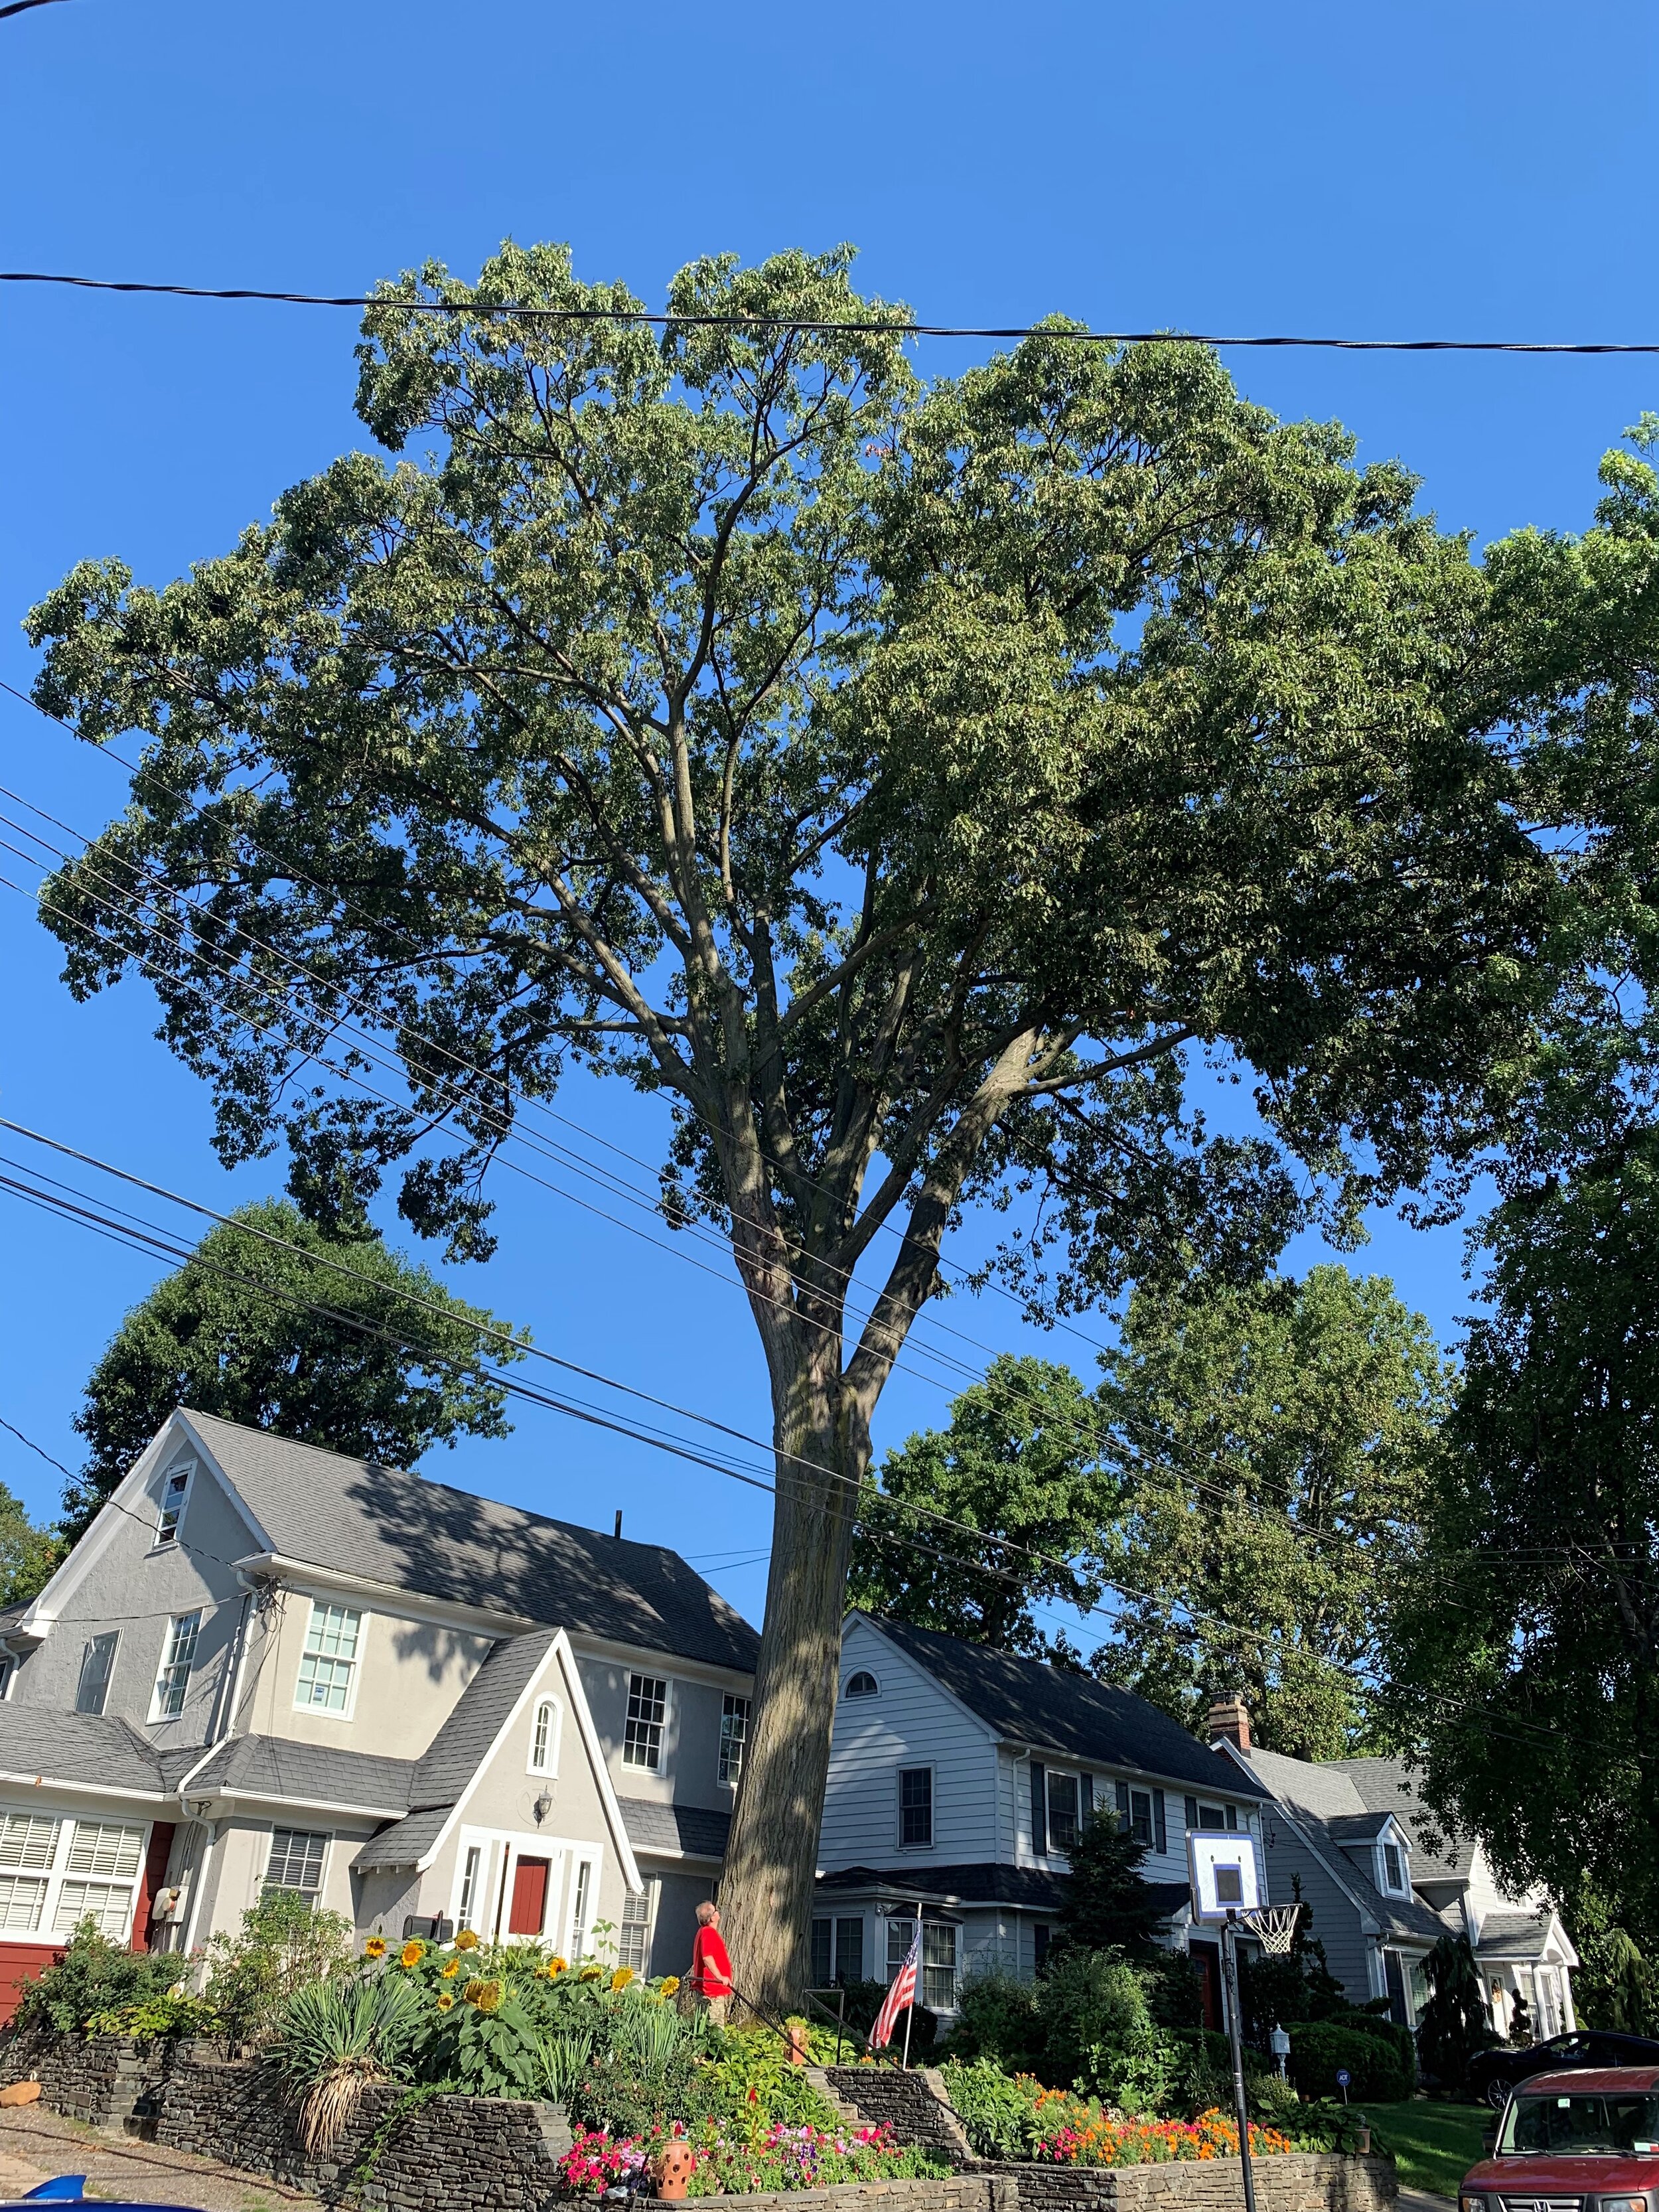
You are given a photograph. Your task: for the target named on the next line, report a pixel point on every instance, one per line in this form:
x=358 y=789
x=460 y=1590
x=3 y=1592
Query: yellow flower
x=622 y=1977
x=453 y=1967
x=411 y=1954
x=375 y=1948
x=668 y=1985
x=445 y=2001
x=555 y=1965
x=487 y=1995
x=467 y=1941
x=588 y=1974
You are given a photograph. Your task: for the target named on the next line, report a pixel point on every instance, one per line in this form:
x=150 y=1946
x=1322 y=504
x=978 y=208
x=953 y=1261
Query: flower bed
x=729 y=2164
x=1102 y=2142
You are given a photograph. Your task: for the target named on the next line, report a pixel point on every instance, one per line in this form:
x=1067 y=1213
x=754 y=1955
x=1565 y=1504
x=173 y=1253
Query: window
x=647 y=1706
x=1062 y=1811
x=296 y=1862
x=333 y=1637
x=471 y=1873
x=107 y=1903
x=1212 y=1816
x=915 y=1823
x=177 y=1660
x=1140 y=1815
x=545 y=1738
x=97 y=1664
x=901 y=1934
x=20 y=1901
x=1040 y=1934
x=734 y=1734
x=1393 y=1876
x=862 y=1685
x=7 y=1668
x=579 y=1908
x=939 y=1966
x=822 y=1961
x=172 y=1505
x=838 y=1951
x=634 y=1936
x=27 y=1840
x=105 y=1847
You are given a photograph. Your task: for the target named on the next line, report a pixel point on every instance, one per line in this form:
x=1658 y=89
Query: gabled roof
x=1386 y=1785
x=1029 y=1702
x=405 y=1843
x=1324 y=1799
x=477 y=1717
x=356 y=1518
x=1358 y=1827
x=695 y=1832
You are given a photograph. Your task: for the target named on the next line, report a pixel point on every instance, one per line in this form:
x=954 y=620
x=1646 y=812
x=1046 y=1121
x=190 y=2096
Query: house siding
x=914 y=1723
x=1295 y=1868
x=690 y=1774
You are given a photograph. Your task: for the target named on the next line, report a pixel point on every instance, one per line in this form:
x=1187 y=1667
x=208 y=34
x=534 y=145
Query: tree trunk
x=766 y=1890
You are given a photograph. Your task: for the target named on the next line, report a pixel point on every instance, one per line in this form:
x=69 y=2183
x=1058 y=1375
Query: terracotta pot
x=799 y=2049
x=671 y=2170
x=1364 y=2141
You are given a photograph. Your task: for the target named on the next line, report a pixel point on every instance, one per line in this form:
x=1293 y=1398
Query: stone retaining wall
x=913 y=2104
x=1294 y=2181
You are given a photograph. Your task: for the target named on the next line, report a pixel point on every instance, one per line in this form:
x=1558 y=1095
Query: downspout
x=230 y=1682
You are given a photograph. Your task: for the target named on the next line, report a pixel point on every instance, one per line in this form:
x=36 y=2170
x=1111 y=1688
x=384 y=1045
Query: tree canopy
x=924 y=787
x=324 y=1344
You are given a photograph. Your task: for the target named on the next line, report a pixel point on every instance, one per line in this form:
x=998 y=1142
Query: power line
x=789 y=326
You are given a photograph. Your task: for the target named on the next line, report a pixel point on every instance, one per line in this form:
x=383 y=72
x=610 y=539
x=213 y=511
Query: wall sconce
x=542 y=1806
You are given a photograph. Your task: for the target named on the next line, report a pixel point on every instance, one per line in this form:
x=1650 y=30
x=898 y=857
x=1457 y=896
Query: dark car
x=1492 y=2074
x=1586 y=2138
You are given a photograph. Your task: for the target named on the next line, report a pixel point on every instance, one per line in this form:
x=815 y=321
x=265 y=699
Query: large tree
x=324 y=1335
x=920 y=787
x=1276 y=1445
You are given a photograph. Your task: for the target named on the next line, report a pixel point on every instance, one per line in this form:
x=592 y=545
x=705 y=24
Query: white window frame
x=584 y=1893
x=354 y=1664
x=649 y=1897
x=1070 y=1774
x=39 y=1872
x=170 y=1660
x=937 y=1930
x=915 y=1766
x=1401 y=1888
x=860 y=1674
x=659 y=1765
x=548 y=1764
x=112 y=1636
x=165 y=1537
x=1145 y=1797
x=283 y=1829
x=728 y=1770
x=472 y=1881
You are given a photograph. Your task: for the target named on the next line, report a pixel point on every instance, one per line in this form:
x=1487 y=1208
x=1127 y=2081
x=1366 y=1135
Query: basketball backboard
x=1224 y=1869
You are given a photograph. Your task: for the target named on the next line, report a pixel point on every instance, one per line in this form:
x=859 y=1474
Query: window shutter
x=1192 y=1812
x=1085 y=1800
x=1122 y=1792
x=1160 y=1829
x=1039 y=1810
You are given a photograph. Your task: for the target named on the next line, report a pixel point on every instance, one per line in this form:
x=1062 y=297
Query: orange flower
x=411 y=1954
x=375 y=1948
x=453 y=1967
x=555 y=1965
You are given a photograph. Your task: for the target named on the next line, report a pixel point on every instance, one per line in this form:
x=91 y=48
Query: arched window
x=862 y=1685
x=545 y=1738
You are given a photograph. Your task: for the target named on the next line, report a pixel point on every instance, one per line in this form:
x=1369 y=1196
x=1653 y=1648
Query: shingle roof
x=305 y=1773
x=981 y=1883
x=480 y=1714
x=1029 y=1702
x=401 y=1529
x=405 y=1843
x=1358 y=1827
x=1328 y=1798
x=1386 y=1785
x=1514 y=1935
x=700 y=1831
x=40 y=1740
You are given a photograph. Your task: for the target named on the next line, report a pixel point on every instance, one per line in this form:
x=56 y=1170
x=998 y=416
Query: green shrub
x=283 y=1943
x=154 y=2016
x=1375 y=2066
x=94 y=1976
x=997 y=2108
x=997 y=2018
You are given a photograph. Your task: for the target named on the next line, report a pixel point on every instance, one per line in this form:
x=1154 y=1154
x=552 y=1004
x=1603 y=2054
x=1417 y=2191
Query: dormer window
x=1394 y=1868
x=545 y=1738
x=173 y=1505
x=862 y=1685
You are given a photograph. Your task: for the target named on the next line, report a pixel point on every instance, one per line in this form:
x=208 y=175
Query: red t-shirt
x=711 y=1966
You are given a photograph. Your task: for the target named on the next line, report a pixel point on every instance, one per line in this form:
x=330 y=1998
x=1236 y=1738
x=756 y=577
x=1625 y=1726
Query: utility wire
x=786 y=326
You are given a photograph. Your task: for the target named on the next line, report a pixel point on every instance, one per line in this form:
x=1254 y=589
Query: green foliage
x=997 y=2108
x=1274 y=1443
x=1377 y=2065
x=997 y=2018
x=1298 y=1986
x=864 y=2002
x=283 y=1943
x=28 y=1556
x=1097 y=2028
x=149 y=2017
x=752 y=2082
x=375 y=2022
x=230 y=1334
x=1454 y=2024
x=1019 y=1460
x=1615 y=1985
x=1107 y=1904
x=94 y=1975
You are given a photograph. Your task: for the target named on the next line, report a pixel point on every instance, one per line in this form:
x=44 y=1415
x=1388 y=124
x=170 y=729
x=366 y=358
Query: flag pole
x=910 y=2009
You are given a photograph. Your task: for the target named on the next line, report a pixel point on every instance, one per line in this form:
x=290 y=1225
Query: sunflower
x=555 y=1965
x=622 y=1977
x=445 y=2001
x=452 y=1969
x=589 y=1974
x=375 y=1948
x=467 y=1941
x=487 y=1995
x=668 y=1985
x=411 y=1954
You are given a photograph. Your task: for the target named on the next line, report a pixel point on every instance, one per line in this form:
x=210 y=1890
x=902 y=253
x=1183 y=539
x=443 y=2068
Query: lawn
x=1434 y=2145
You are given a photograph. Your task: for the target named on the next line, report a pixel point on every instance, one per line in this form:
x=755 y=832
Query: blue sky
x=1408 y=169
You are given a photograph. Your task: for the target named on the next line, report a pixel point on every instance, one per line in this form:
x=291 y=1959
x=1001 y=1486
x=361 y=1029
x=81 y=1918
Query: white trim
x=309 y=1575
x=157 y=1716
x=549 y=1769
x=662 y=1726
x=171 y=1542
x=645 y=1661
x=915 y=1766
x=298 y=1804
x=348 y=1712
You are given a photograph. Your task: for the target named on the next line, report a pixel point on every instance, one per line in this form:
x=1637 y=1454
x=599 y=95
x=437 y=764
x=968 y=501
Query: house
x=1351 y=1836
x=267 y=1666
x=959 y=1779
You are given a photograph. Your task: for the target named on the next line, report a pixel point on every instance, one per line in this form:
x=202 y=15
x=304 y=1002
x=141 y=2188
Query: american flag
x=901 y=1991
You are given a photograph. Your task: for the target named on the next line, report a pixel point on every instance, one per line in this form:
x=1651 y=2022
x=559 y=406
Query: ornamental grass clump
x=336 y=2037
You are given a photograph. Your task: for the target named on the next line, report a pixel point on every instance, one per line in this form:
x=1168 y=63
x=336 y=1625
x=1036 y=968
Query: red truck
x=1586 y=2141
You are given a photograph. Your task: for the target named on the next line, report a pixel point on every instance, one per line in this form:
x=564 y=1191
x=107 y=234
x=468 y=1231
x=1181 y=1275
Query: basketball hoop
x=1273 y=1927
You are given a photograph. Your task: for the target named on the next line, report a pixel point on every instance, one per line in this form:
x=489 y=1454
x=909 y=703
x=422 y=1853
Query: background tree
x=233 y=1333
x=915 y=785
x=1020 y=1460
x=28 y=1554
x=1454 y=2023
x=1274 y=1442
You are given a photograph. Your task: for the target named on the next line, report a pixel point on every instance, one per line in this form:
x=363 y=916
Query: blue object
x=60 y=2186
x=1343 y=2077
x=70 y=2189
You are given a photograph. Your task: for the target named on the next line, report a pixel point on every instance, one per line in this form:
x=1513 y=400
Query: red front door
x=529 y=1911
x=1206 y=1965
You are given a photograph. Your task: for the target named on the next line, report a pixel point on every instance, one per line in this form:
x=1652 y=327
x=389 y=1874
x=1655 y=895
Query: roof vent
x=1229 y=1722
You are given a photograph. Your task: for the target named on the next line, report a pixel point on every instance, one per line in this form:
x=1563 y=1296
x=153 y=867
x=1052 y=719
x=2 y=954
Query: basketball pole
x=1235 y=2037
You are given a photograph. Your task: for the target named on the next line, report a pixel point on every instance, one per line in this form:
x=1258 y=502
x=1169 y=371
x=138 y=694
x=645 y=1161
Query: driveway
x=36 y=2144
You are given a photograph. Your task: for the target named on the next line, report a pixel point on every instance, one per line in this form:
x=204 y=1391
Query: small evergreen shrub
x=1376 y=2065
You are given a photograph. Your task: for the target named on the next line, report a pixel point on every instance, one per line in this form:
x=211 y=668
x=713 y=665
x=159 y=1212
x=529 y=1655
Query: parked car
x=1492 y=2074
x=1583 y=2136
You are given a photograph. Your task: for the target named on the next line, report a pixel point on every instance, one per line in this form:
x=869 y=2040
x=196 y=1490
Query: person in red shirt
x=711 y=1968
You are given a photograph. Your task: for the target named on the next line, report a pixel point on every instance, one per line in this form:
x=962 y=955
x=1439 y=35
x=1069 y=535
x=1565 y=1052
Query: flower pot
x=671 y=2170
x=800 y=2048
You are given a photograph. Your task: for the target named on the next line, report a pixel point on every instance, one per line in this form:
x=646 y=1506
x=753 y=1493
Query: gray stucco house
x=266 y=1665
x=1352 y=1838
x=958 y=1777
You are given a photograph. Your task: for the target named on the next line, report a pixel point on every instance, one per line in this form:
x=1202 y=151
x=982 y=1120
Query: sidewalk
x=36 y=2144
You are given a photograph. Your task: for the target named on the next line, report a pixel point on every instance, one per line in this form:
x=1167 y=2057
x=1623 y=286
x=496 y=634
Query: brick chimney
x=1229 y=1722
